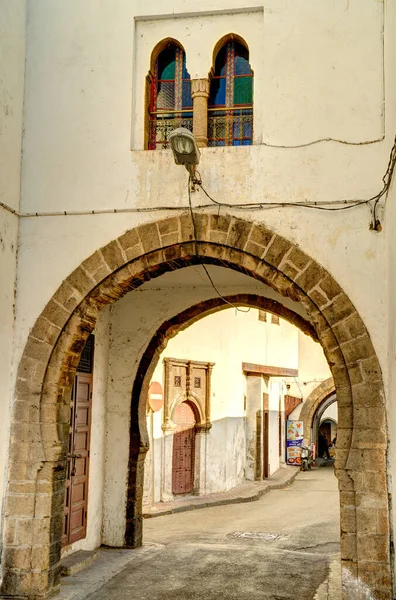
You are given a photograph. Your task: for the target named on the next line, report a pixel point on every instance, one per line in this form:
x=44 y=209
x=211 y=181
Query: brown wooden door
x=76 y=494
x=183 y=450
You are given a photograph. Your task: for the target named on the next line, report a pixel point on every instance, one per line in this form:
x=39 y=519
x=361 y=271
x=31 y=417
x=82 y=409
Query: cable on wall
x=331 y=205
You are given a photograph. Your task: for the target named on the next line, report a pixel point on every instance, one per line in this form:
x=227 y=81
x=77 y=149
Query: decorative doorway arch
x=35 y=491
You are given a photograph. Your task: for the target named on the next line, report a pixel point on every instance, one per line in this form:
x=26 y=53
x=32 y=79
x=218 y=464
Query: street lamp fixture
x=185 y=149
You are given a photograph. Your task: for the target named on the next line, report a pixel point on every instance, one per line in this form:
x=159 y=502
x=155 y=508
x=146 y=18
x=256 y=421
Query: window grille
x=262 y=315
x=86 y=359
x=230 y=112
x=274 y=319
x=171 y=104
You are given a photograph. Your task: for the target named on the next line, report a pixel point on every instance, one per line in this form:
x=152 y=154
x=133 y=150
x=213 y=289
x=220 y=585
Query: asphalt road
x=280 y=547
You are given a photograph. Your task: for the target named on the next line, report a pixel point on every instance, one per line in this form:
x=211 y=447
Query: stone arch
x=36 y=474
x=323 y=391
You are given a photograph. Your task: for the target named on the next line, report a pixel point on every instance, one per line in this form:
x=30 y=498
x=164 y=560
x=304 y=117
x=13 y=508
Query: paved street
x=281 y=547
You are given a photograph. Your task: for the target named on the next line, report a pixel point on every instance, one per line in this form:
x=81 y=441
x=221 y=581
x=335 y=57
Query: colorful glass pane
x=218 y=92
x=170 y=95
x=243 y=90
x=221 y=62
x=241 y=61
x=187 y=101
x=166 y=95
x=166 y=63
x=231 y=87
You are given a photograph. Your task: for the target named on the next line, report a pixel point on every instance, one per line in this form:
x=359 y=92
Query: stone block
x=373 y=548
x=220 y=223
x=312 y=275
x=15 y=584
x=218 y=237
x=80 y=280
x=341 y=333
x=113 y=256
x=170 y=240
x=348 y=546
x=37 y=350
x=9 y=532
x=40 y=583
x=41 y=558
x=330 y=287
x=17 y=558
x=371 y=370
x=238 y=234
x=19 y=505
x=261 y=235
x=254 y=249
x=358 y=349
x=56 y=314
x=316 y=296
x=339 y=308
x=366 y=519
x=375 y=482
x=186 y=227
x=276 y=251
x=348 y=520
x=368 y=394
x=347 y=499
x=149 y=237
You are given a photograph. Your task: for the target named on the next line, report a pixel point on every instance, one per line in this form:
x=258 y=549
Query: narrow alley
x=283 y=546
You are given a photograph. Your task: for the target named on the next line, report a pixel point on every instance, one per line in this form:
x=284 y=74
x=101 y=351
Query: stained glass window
x=230 y=118
x=170 y=97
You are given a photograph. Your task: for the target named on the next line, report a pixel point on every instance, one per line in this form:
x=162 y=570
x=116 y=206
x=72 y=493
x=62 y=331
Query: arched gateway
x=35 y=493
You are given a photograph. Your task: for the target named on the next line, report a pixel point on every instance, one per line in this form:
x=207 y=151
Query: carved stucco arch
x=35 y=492
x=195 y=407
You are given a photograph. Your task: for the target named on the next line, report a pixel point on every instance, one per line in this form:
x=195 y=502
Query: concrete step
x=70 y=565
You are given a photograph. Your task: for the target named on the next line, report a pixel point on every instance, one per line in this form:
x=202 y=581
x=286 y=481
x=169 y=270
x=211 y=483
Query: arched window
x=170 y=102
x=230 y=110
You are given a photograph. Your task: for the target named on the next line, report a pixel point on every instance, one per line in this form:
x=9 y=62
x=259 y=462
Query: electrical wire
x=326 y=206
x=190 y=182
x=332 y=205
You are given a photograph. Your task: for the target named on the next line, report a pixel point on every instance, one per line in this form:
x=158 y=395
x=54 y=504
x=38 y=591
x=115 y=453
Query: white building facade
x=73 y=139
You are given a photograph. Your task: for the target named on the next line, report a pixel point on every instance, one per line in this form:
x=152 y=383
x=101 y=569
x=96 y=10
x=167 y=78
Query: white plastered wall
x=79 y=97
x=322 y=74
x=228 y=338
x=12 y=67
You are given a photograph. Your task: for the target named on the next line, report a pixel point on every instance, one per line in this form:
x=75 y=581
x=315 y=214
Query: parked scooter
x=307 y=459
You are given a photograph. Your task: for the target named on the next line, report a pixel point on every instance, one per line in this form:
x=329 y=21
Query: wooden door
x=183 y=450
x=76 y=494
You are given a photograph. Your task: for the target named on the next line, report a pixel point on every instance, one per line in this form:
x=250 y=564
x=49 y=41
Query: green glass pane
x=243 y=90
x=166 y=63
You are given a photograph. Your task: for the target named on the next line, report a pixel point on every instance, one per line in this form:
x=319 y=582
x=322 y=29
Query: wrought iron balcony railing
x=161 y=124
x=230 y=127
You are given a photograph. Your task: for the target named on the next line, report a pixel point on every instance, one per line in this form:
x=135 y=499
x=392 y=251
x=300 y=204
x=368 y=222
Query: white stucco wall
x=229 y=338
x=12 y=65
x=320 y=73
x=79 y=99
x=389 y=315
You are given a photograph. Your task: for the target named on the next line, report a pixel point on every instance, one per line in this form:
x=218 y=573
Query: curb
x=253 y=497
